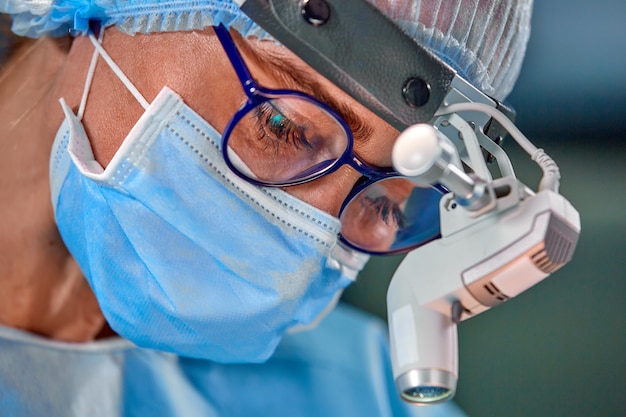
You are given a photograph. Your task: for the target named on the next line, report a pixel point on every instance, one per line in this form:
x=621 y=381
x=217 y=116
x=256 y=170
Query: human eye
x=387 y=210
x=274 y=125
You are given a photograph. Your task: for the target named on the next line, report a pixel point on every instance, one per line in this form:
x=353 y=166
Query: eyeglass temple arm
x=247 y=82
x=404 y=84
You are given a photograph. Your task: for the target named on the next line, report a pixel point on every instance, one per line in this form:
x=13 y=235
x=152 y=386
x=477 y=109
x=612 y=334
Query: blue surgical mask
x=184 y=256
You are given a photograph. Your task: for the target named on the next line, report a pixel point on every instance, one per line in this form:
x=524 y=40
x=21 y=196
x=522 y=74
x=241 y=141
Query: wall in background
x=572 y=80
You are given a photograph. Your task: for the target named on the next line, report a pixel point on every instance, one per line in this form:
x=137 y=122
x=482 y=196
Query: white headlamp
x=498 y=238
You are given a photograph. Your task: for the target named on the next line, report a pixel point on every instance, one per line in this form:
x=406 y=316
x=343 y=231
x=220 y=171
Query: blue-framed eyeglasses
x=280 y=138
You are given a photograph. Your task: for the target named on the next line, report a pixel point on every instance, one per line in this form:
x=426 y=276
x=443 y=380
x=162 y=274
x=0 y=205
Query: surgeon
x=172 y=180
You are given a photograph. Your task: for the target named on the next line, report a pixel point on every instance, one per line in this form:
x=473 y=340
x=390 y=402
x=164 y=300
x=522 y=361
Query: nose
x=328 y=192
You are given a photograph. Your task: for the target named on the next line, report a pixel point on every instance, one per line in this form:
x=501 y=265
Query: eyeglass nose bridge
x=371 y=172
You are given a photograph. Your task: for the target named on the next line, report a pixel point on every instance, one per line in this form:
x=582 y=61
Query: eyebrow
x=301 y=80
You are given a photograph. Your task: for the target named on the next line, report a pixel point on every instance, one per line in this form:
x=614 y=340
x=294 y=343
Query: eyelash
x=275 y=126
x=387 y=210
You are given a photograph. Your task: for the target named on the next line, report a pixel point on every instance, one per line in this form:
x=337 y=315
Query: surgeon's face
x=200 y=72
x=277 y=67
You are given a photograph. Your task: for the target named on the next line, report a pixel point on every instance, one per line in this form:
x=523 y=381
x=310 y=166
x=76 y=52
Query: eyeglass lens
x=391 y=215
x=285 y=140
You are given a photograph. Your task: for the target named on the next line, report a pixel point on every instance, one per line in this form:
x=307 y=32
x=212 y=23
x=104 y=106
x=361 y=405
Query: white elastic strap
x=120 y=74
x=89 y=79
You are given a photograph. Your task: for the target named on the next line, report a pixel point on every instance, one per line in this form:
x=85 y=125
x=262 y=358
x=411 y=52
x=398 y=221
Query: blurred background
x=558 y=349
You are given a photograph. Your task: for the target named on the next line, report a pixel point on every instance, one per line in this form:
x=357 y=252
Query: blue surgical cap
x=485 y=40
x=36 y=18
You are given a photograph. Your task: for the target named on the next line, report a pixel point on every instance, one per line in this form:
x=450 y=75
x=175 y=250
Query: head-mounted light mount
x=349 y=44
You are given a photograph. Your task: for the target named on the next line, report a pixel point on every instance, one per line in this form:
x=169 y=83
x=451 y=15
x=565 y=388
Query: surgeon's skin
x=374 y=235
x=41 y=287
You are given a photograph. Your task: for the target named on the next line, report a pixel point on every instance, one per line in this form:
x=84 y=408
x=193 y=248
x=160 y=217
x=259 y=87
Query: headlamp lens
x=426 y=394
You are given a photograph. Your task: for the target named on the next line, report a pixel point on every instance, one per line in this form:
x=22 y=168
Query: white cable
x=551 y=174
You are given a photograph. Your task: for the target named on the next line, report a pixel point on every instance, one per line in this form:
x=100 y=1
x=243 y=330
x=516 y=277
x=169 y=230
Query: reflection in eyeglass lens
x=391 y=214
x=287 y=139
x=373 y=218
x=276 y=129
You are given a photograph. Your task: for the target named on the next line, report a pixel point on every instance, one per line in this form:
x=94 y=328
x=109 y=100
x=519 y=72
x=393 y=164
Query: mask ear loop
x=89 y=79
x=99 y=50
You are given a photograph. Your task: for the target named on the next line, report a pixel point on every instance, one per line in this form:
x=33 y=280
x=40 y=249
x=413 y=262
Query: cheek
x=327 y=193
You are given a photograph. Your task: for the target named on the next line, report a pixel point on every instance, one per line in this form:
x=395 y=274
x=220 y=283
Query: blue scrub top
x=340 y=368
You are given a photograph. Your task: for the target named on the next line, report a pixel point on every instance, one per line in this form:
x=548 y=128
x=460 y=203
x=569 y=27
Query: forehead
x=277 y=67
